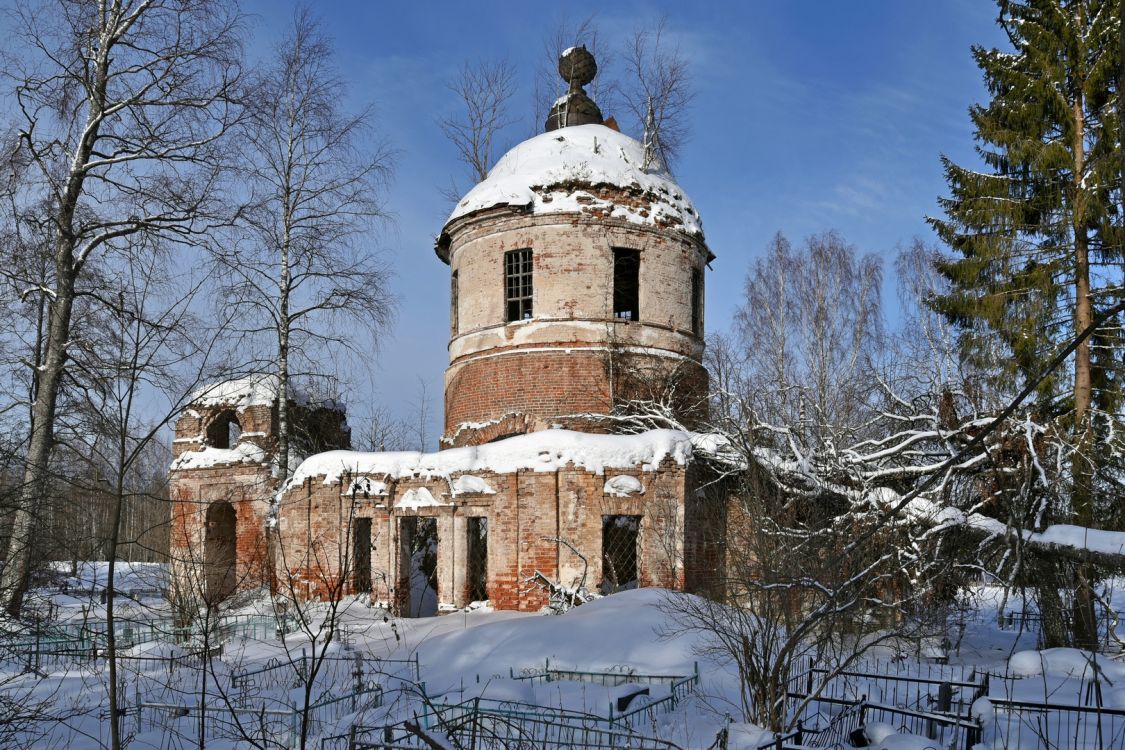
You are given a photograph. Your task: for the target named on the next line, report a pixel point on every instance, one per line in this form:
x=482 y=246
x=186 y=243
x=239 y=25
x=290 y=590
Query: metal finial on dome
x=577 y=67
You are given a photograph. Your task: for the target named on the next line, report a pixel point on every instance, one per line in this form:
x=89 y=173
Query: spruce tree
x=1036 y=230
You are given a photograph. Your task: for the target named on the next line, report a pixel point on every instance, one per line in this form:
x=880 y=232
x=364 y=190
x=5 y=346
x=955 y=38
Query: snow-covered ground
x=583 y=666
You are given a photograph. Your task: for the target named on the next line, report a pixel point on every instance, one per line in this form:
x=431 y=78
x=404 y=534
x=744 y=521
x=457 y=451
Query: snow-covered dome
x=589 y=169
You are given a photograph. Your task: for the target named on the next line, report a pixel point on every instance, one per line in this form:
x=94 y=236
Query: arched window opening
x=224 y=430
x=220 y=551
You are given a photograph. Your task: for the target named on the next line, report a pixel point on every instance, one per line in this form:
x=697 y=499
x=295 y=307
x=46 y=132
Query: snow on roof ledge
x=547 y=451
x=547 y=173
x=243 y=453
x=252 y=390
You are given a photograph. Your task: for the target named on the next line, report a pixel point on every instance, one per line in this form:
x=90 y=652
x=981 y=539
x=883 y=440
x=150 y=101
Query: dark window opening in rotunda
x=697 y=301
x=626 y=283
x=453 y=321
x=517 y=284
x=361 y=556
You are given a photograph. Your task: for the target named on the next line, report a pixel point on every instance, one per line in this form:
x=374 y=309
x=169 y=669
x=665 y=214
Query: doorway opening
x=361 y=556
x=219 y=551
x=620 y=535
x=477 y=553
x=418 y=545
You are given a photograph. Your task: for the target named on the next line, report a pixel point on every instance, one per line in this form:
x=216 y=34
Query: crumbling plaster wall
x=562 y=360
x=527 y=514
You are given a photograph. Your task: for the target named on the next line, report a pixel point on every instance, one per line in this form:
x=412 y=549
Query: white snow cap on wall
x=419 y=497
x=469 y=484
x=548 y=450
x=623 y=485
x=252 y=390
x=551 y=172
x=242 y=453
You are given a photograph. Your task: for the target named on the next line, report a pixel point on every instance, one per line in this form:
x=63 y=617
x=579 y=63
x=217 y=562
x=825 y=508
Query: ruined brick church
x=576 y=280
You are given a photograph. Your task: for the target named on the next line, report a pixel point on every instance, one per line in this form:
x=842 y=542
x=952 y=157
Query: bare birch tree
x=811 y=329
x=315 y=178
x=135 y=379
x=484 y=90
x=657 y=90
x=123 y=108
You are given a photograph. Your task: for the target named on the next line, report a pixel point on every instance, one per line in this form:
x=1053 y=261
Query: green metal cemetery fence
x=474 y=725
x=680 y=686
x=294 y=671
x=934 y=703
x=946 y=731
x=61 y=646
x=1110 y=623
x=489 y=724
x=272 y=721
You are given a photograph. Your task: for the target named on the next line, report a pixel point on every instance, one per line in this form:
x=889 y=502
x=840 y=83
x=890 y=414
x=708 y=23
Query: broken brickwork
x=541 y=526
x=549 y=336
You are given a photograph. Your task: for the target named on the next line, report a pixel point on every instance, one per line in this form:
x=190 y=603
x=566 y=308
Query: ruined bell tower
x=577 y=272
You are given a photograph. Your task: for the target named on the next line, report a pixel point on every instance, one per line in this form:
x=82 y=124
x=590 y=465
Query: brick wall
x=527 y=514
x=539 y=384
x=247 y=487
x=569 y=358
x=531 y=388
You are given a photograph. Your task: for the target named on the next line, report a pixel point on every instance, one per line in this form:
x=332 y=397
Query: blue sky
x=807 y=117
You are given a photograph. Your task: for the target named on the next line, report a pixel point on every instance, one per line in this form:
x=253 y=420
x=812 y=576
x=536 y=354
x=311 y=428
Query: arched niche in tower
x=220 y=551
x=224 y=430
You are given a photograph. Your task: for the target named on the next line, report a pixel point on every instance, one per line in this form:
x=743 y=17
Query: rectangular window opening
x=620 y=535
x=626 y=283
x=453 y=317
x=477 y=573
x=517 y=284
x=361 y=556
x=697 y=301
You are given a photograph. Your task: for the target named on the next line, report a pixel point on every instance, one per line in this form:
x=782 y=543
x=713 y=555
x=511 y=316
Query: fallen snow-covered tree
x=860 y=483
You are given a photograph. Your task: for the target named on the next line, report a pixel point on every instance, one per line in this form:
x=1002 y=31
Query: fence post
x=474 y=723
x=944 y=704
